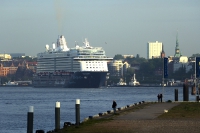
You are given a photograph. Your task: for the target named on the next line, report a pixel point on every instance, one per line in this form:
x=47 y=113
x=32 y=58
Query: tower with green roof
x=177 y=50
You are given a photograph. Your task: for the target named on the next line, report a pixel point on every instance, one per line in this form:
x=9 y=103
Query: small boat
x=9 y=83
x=134 y=82
x=121 y=83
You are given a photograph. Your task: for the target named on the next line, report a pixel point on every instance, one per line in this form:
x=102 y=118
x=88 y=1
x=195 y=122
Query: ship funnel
x=54 y=46
x=62 y=44
x=47 y=47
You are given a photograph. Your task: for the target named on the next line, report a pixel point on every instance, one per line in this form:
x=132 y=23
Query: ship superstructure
x=134 y=82
x=76 y=67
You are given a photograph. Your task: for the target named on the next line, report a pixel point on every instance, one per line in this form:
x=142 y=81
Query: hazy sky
x=119 y=26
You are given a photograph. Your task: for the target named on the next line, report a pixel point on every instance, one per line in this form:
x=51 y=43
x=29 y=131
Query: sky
x=119 y=26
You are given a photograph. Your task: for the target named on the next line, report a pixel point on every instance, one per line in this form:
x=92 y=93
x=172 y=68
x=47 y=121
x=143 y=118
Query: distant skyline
x=120 y=27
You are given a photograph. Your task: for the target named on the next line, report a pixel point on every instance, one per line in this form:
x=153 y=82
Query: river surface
x=15 y=102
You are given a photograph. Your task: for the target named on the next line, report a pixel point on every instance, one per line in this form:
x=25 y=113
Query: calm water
x=15 y=102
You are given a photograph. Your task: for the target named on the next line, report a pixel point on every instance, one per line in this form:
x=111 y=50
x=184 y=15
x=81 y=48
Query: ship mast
x=87 y=44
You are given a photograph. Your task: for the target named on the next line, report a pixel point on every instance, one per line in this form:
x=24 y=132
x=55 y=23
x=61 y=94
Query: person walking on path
x=114 y=105
x=161 y=96
x=158 y=97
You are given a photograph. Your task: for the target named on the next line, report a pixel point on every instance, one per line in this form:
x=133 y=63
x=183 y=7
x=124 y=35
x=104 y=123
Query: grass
x=84 y=126
x=184 y=110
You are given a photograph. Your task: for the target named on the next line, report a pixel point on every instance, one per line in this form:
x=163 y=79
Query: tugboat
x=121 y=83
x=134 y=82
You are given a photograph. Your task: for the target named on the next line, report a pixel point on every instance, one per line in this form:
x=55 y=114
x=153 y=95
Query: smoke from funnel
x=59 y=15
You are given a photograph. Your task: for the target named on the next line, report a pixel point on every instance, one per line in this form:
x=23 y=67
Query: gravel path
x=150 y=111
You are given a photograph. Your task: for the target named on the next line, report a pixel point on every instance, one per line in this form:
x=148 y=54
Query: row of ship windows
x=64 y=65
x=60 y=64
x=94 y=62
x=94 y=67
x=58 y=67
x=60 y=59
x=53 y=62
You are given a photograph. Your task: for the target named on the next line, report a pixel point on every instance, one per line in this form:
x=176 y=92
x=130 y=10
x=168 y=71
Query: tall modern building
x=154 y=49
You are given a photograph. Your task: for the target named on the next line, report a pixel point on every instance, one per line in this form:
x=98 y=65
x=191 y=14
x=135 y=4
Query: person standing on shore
x=161 y=96
x=158 y=97
x=114 y=105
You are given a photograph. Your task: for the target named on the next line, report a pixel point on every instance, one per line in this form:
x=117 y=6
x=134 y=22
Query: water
x=15 y=102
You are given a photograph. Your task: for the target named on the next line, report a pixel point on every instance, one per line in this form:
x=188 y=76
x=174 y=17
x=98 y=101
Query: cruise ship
x=78 y=67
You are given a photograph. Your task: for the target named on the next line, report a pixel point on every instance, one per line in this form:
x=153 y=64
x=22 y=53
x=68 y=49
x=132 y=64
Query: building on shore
x=154 y=49
x=5 y=56
x=17 y=54
x=115 y=67
x=8 y=68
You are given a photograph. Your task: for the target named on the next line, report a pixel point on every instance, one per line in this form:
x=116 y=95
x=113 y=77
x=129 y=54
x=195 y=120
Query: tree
x=147 y=71
x=129 y=73
x=23 y=73
x=130 y=70
x=27 y=58
x=134 y=60
x=196 y=55
x=191 y=72
x=118 y=57
x=180 y=73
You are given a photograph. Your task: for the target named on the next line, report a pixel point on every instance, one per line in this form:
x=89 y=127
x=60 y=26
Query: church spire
x=177 y=45
x=177 y=50
x=163 y=52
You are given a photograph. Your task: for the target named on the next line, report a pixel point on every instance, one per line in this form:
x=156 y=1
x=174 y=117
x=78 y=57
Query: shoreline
x=143 y=119
x=16 y=86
